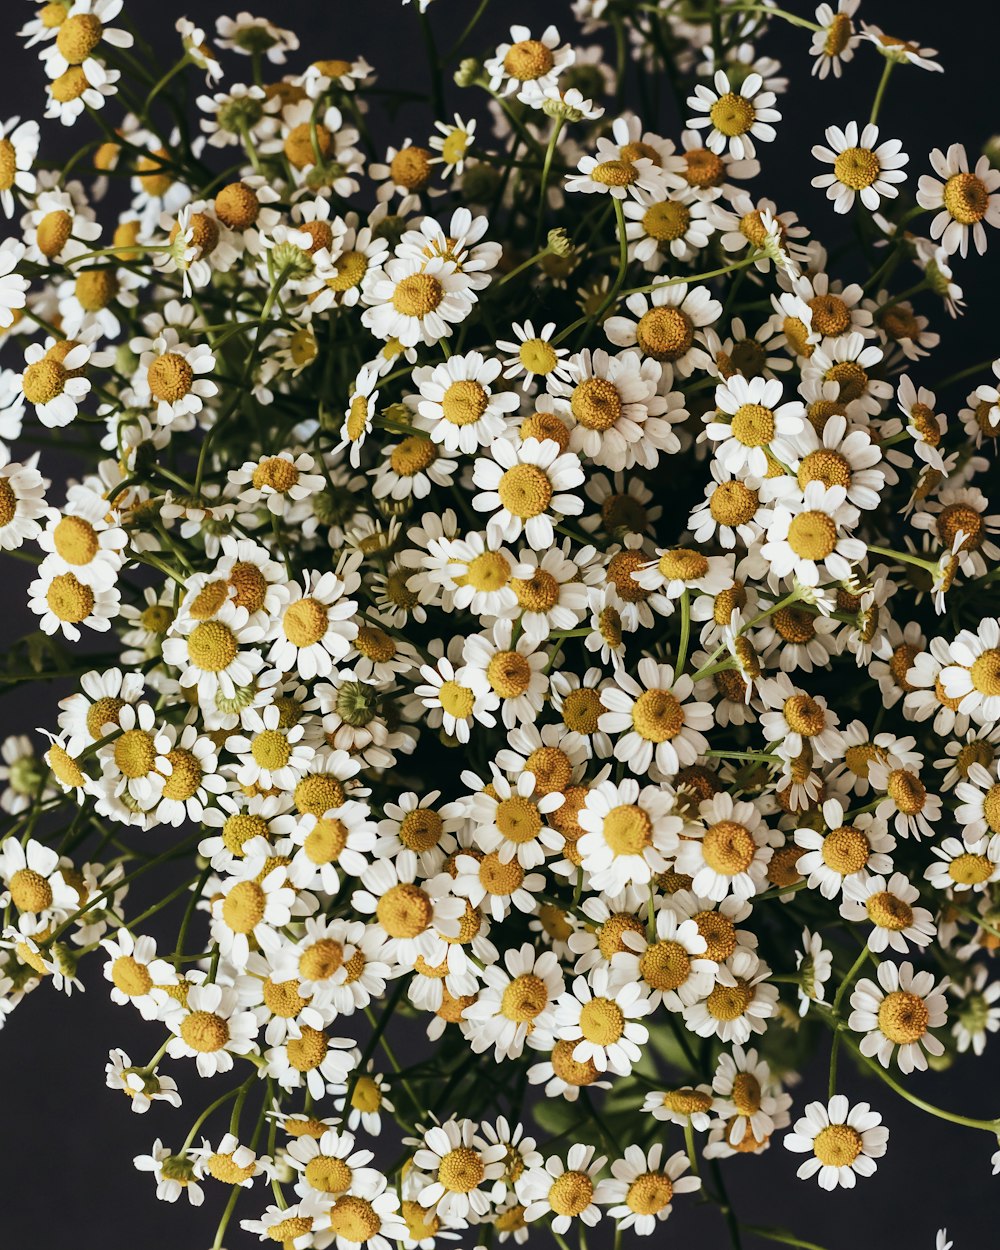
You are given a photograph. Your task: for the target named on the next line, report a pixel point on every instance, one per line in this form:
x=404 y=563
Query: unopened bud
x=469 y=72
x=559 y=242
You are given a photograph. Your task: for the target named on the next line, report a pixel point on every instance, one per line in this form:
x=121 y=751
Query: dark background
x=67 y=1143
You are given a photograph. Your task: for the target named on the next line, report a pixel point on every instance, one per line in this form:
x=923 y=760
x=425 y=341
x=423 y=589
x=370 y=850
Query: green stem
x=546 y=167
x=682 y=646
x=877 y=103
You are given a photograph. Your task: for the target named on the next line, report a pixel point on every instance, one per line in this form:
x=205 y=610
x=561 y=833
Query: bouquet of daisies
x=528 y=631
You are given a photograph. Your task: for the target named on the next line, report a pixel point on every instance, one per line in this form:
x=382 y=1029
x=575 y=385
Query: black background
x=66 y=1143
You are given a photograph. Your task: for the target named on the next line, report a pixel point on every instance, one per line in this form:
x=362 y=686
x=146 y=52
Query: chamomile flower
x=653 y=719
x=834 y=43
x=729 y=854
x=210 y=1028
x=641 y=1192
x=736 y=117
x=601 y=1019
x=457 y=405
x=521 y=485
x=629 y=833
x=750 y=421
x=533 y=355
x=896 y=1015
x=859 y=166
x=844 y=1141
x=888 y=906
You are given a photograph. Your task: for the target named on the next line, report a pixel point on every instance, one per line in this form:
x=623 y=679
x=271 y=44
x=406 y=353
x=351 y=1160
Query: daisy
x=687 y=1104
x=654 y=719
x=859 y=167
x=845 y=1141
x=834 y=43
x=527 y=65
x=330 y=1165
x=13 y=287
x=806 y=538
x=211 y=1028
x=848 y=362
x=657 y=226
x=72 y=92
x=888 y=906
x=515 y=1002
x=18 y=148
x=416 y=301
x=34 y=883
x=567 y=1191
x=973 y=677
x=280 y=483
x=293 y=1225
x=312 y=1058
x=453 y=142
x=413 y=920
x=814 y=964
x=644 y=1184
x=174 y=1174
x=142 y=1087
x=83 y=542
x=253 y=907
x=758 y=424
x=730 y=854
x=550 y=590
x=898 y=1012
x=255 y=36
x=977 y=1016
x=521 y=485
x=666 y=325
x=964 y=865
x=602 y=1018
x=22 y=500
x=168 y=376
x=734 y=118
x=741 y=1002
x=133 y=970
x=609 y=173
x=672 y=965
x=63 y=602
x=964 y=200
x=215 y=655
x=533 y=355
x=457 y=406
x=409 y=470
x=906 y=795
x=462 y=1167
x=53 y=381
x=336 y=842
x=317 y=625
x=619 y=418
x=629 y=833
x=229 y=1162
x=900 y=50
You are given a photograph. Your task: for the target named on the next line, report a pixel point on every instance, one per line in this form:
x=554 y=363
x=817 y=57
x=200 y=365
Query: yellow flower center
x=78 y=36
x=602 y=1021
x=307 y=145
x=985 y=672
x=525 y=491
x=596 y=403
x=628 y=830
x=728 y=847
x=804 y=715
x=305 y=622
x=611 y=934
x=404 y=911
x=657 y=716
x=185 y=775
x=704 y=168
x=307 y=1051
x=29 y=891
x=75 y=540
x=212 y=646
x=889 y=912
x=812 y=535
x=413 y=455
x=828 y=467
x=458 y=701
x=845 y=850
x=524 y=999
x=528 y=59
x=499 y=878
x=464 y=402
x=666 y=221
x=571 y=1193
x=729 y=1002
x=719 y=933
x=411 y=168
x=569 y=1069
x=283 y=998
x=243 y=908
x=205 y=1032
x=665 y=333
x=969 y=869
x=732 y=115
x=461 y=1170
x=509 y=674
x=367 y=1096
x=135 y=753
x=650 y=1193
x=733 y=503
x=665 y=965
x=857 y=168
x=838 y=1145
x=518 y=819
x=907 y=791
x=753 y=425
x=54 y=229
x=853 y=380
x=222 y=1168
x=683 y=564
x=614 y=173
x=321 y=960
x=538 y=593
x=249 y=585
x=276 y=473
x=328 y=1174
x=581 y=710
x=417 y=294
x=421 y=829
x=537 y=356
x=903 y=1017
x=170 y=378
x=237 y=206
x=966 y=198
x=43 y=381
x=326 y=840
x=545 y=425
x=69 y=86
x=958 y=518
x=240 y=828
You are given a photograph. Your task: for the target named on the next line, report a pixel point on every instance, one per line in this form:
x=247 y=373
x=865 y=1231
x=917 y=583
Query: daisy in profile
x=175 y=1174
x=734 y=118
x=902 y=51
x=896 y=1015
x=834 y=43
x=860 y=167
x=844 y=1142
x=22 y=500
x=643 y=1186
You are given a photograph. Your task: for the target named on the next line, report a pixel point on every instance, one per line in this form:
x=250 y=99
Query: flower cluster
x=547 y=617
